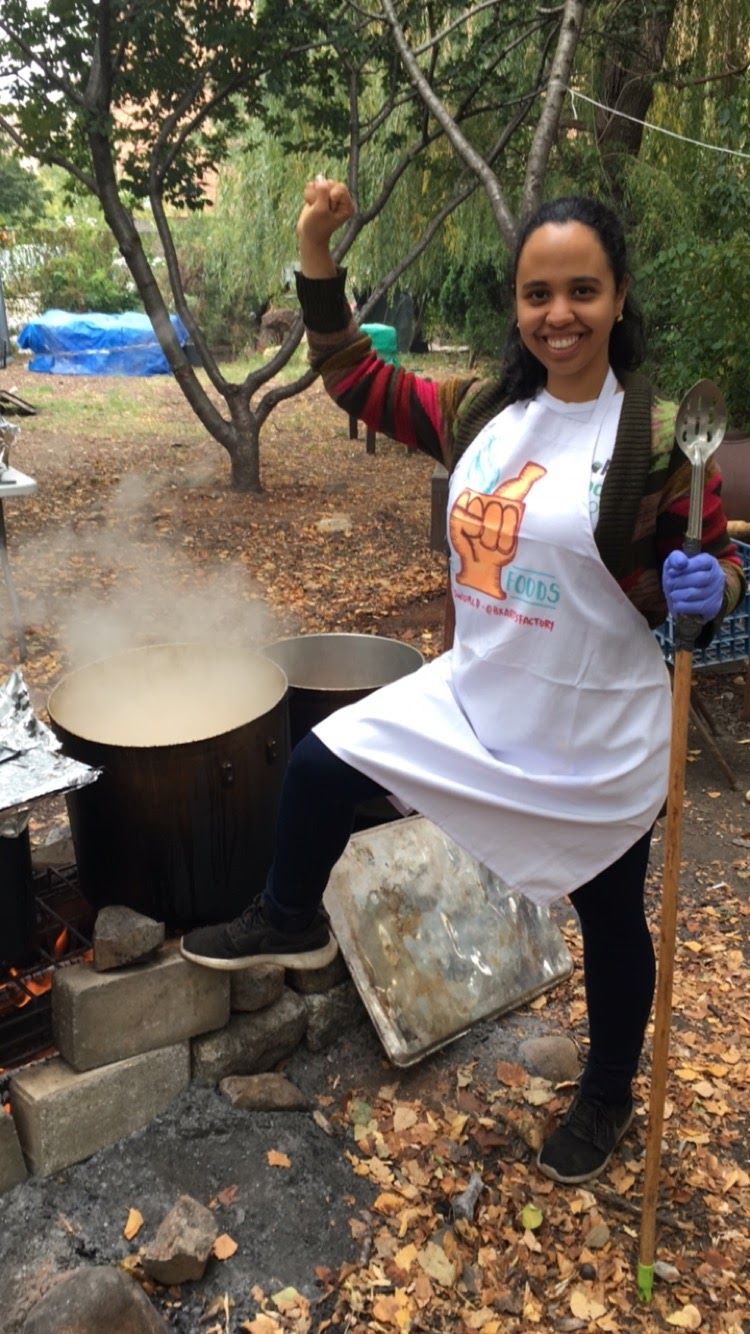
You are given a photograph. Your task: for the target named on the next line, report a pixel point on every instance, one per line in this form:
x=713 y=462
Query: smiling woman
x=539 y=741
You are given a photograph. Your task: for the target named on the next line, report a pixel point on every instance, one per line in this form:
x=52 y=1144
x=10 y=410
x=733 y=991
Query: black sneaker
x=583 y=1143
x=250 y=939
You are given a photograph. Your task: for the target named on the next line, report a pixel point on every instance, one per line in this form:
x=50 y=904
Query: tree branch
x=713 y=78
x=33 y=58
x=546 y=129
x=51 y=156
x=458 y=141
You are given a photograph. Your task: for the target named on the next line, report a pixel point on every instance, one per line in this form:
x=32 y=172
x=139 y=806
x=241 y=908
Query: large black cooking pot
x=192 y=742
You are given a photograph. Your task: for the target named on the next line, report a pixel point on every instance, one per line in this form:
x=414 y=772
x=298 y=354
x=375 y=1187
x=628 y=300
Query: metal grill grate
x=25 y=1000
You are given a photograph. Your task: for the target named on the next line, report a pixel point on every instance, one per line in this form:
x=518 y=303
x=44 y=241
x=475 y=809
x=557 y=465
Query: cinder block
x=12 y=1165
x=63 y=1117
x=99 y=1018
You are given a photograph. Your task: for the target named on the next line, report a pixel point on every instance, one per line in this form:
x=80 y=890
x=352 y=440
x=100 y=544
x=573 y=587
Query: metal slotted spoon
x=699 y=430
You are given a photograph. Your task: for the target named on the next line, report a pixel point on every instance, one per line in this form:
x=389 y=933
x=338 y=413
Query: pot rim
x=74 y=728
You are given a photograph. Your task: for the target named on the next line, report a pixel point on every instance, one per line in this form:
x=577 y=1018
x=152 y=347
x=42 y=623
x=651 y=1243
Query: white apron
x=540 y=741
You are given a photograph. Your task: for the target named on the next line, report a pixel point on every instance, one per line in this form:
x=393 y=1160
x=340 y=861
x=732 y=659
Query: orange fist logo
x=484 y=530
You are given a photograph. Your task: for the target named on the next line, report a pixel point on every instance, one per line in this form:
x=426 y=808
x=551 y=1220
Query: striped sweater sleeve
x=418 y=412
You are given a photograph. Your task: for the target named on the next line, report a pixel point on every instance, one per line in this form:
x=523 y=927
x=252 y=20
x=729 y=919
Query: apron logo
x=484 y=530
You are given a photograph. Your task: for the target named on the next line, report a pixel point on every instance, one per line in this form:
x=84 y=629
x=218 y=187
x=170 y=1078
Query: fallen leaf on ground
x=688 y=1318
x=276 y=1159
x=224 y=1246
x=133 y=1225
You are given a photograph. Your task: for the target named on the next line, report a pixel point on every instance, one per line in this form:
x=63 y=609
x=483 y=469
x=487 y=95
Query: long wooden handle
x=683 y=669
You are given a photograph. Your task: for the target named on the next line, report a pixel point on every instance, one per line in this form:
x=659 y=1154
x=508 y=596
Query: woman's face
x=566 y=304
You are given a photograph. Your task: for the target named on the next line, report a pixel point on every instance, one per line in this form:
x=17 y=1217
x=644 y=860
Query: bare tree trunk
x=626 y=78
x=245 y=451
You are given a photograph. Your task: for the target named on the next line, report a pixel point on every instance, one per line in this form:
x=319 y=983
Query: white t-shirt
x=605 y=444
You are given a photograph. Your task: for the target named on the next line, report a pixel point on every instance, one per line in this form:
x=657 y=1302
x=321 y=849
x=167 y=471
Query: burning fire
x=15 y=995
x=61 y=944
x=23 y=986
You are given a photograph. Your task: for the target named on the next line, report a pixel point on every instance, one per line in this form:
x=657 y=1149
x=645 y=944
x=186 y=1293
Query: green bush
x=694 y=295
x=70 y=268
x=473 y=304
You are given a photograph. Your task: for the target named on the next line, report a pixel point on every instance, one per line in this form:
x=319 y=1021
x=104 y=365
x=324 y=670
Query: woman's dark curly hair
x=522 y=374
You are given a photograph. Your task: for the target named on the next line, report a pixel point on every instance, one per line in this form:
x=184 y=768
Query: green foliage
x=74 y=268
x=695 y=295
x=22 y=195
x=237 y=257
x=693 y=241
x=472 y=304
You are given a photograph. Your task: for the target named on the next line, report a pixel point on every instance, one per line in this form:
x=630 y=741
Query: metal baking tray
x=434 y=941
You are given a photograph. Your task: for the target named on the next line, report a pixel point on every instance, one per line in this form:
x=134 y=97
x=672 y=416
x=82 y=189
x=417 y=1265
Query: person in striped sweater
x=539 y=739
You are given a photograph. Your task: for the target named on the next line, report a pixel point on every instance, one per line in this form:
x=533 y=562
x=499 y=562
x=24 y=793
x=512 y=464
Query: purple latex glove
x=693 y=585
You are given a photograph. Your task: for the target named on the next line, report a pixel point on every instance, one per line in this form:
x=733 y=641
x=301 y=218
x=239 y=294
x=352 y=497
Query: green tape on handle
x=645 y=1282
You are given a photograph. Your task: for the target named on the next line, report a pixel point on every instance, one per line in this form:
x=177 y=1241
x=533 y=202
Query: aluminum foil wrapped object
x=31 y=766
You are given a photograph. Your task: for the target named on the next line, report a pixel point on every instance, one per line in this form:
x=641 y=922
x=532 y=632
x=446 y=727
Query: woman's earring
x=619 y=318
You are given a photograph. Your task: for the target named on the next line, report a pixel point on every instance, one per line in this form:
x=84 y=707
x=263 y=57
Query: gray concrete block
x=63 y=1117
x=12 y=1165
x=99 y=1018
x=251 y=1043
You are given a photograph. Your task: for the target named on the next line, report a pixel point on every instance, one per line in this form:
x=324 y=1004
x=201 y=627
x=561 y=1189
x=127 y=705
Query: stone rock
x=310 y=981
x=181 y=1248
x=58 y=852
x=597 y=1236
x=12 y=1165
x=123 y=936
x=93 y=1299
x=275 y=325
x=256 y=988
x=251 y=1043
x=554 y=1058
x=263 y=1093
x=335 y=523
x=332 y=1013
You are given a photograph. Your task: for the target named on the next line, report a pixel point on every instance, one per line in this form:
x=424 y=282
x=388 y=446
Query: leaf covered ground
x=135 y=537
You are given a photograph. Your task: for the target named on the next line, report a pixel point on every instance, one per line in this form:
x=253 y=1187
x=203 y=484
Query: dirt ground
x=133 y=541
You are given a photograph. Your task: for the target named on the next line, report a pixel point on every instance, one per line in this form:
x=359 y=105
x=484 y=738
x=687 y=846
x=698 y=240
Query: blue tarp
x=68 y=344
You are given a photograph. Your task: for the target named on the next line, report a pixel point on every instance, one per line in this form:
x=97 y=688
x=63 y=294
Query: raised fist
x=328 y=205
x=484 y=530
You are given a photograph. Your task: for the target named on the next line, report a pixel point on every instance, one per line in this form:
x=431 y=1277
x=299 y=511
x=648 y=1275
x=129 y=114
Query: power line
x=715 y=148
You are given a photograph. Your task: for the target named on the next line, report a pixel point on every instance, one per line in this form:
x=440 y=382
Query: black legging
x=319 y=798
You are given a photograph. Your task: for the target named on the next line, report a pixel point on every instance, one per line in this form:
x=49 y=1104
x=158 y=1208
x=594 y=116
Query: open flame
x=61 y=943
x=20 y=990
x=23 y=987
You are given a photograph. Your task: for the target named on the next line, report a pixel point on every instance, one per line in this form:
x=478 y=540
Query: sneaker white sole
x=584 y=1176
x=309 y=959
